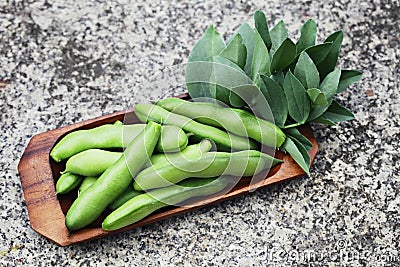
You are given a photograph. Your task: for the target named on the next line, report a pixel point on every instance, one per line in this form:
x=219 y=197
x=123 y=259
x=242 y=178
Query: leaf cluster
x=259 y=66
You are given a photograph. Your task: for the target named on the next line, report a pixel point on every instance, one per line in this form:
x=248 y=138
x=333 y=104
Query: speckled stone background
x=67 y=61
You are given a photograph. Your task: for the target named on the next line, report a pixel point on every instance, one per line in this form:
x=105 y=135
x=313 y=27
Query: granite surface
x=67 y=61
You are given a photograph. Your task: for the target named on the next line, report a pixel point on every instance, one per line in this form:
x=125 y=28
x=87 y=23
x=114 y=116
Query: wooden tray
x=39 y=173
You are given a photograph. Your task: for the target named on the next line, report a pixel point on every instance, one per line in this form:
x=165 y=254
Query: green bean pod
x=67 y=182
x=210 y=164
x=104 y=136
x=86 y=183
x=114 y=136
x=149 y=112
x=236 y=121
x=172 y=139
x=128 y=194
x=113 y=182
x=191 y=151
x=91 y=162
x=143 y=205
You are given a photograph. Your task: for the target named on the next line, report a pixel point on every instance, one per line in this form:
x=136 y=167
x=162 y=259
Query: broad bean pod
x=210 y=164
x=86 y=183
x=93 y=162
x=191 y=151
x=237 y=121
x=114 y=136
x=172 y=139
x=67 y=182
x=128 y=194
x=113 y=182
x=143 y=205
x=150 y=112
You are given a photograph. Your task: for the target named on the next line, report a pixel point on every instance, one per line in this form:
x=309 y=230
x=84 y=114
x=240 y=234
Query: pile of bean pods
x=181 y=150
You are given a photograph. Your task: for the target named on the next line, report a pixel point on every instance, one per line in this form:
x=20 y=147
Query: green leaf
x=233 y=86
x=210 y=45
x=298 y=153
x=328 y=87
x=275 y=97
x=278 y=77
x=295 y=134
x=247 y=34
x=347 y=78
x=221 y=78
x=198 y=76
x=304 y=153
x=319 y=52
x=330 y=84
x=329 y=63
x=308 y=35
x=244 y=95
x=317 y=97
x=283 y=56
x=219 y=91
x=323 y=120
x=306 y=71
x=298 y=101
x=260 y=63
x=261 y=24
x=278 y=34
x=235 y=51
x=335 y=113
x=338 y=113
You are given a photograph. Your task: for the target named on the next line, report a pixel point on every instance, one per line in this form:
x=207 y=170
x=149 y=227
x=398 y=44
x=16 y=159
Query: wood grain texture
x=39 y=173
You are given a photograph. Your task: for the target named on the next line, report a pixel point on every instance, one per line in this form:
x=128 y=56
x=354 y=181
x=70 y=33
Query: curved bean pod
x=104 y=136
x=114 y=136
x=113 y=182
x=172 y=139
x=149 y=112
x=128 y=194
x=86 y=183
x=210 y=164
x=237 y=121
x=191 y=151
x=143 y=205
x=67 y=182
x=91 y=162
